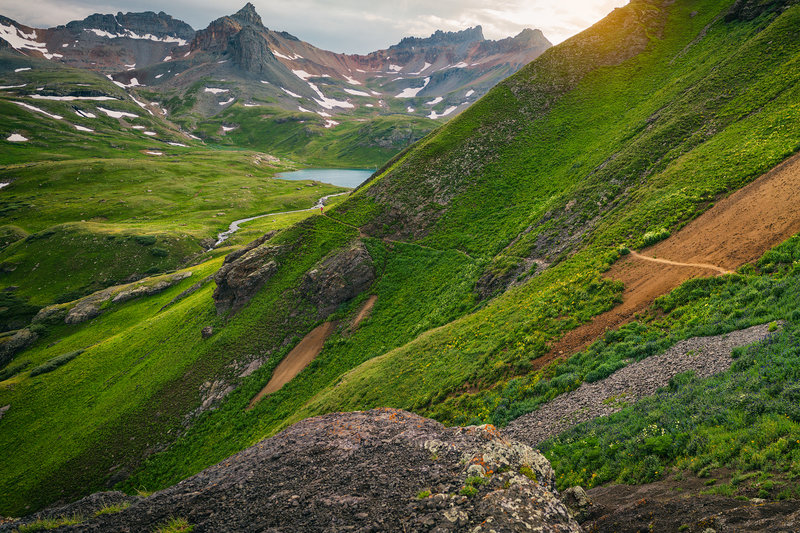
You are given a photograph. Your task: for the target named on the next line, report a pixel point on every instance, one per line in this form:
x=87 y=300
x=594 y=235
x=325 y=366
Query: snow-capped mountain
x=243 y=61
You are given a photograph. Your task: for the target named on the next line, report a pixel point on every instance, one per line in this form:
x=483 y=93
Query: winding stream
x=234 y=227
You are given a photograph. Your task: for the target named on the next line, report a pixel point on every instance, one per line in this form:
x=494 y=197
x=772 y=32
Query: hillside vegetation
x=489 y=239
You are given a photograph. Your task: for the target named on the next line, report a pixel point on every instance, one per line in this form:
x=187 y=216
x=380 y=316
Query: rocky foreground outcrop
x=380 y=470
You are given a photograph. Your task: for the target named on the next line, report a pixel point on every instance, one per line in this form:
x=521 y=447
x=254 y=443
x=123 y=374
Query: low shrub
x=145 y=240
x=652 y=237
x=55 y=362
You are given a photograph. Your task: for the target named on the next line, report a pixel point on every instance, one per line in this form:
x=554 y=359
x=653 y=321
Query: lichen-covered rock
x=145 y=289
x=52 y=314
x=89 y=307
x=92 y=306
x=338 y=278
x=380 y=470
x=578 y=503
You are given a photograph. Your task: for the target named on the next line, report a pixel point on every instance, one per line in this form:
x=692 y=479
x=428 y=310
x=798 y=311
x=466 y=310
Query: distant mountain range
x=237 y=59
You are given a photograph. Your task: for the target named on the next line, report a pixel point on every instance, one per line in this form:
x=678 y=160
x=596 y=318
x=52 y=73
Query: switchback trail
x=737 y=230
x=362 y=235
x=675 y=263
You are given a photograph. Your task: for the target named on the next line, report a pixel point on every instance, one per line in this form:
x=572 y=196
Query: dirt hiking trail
x=306 y=351
x=737 y=230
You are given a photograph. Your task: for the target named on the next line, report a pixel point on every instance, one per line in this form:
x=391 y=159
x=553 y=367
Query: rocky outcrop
x=380 y=470
x=250 y=51
x=750 y=9
x=16 y=343
x=338 y=278
x=240 y=278
x=92 y=306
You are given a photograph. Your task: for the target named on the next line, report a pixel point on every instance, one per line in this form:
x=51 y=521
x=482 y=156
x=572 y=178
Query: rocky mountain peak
x=444 y=38
x=529 y=38
x=147 y=22
x=247 y=15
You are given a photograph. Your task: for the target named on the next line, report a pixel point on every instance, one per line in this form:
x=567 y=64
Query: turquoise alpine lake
x=343 y=177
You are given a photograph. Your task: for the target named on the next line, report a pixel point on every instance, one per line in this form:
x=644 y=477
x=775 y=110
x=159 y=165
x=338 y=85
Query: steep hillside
x=484 y=243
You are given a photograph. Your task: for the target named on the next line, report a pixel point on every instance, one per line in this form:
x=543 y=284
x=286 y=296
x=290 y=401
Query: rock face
x=339 y=278
x=381 y=470
x=159 y=25
x=335 y=280
x=18 y=342
x=238 y=280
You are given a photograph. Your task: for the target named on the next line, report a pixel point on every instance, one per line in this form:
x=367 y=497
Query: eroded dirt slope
x=736 y=231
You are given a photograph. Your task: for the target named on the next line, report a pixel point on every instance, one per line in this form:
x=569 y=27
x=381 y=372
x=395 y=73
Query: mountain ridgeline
x=238 y=82
x=604 y=221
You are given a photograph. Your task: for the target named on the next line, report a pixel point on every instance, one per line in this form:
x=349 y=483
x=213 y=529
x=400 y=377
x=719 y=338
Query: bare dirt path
x=306 y=351
x=392 y=241
x=737 y=230
x=721 y=270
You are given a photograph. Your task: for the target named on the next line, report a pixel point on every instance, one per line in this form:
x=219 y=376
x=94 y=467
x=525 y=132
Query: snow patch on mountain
x=412 y=92
x=71 y=98
x=213 y=90
x=42 y=111
x=133 y=83
x=434 y=115
x=131 y=35
x=15 y=138
x=116 y=114
x=355 y=92
x=329 y=103
x=423 y=69
x=302 y=74
x=20 y=40
x=435 y=101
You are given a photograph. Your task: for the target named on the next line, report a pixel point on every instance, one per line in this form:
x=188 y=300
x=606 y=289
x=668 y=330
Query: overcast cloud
x=352 y=26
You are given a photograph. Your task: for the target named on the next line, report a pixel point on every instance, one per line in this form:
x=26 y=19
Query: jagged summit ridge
x=248 y=15
x=440 y=37
x=147 y=22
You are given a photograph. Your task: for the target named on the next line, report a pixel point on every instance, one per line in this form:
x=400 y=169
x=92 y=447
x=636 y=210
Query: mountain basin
x=343 y=177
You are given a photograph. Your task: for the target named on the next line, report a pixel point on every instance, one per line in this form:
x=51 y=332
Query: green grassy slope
x=77 y=200
x=616 y=143
x=632 y=126
x=363 y=140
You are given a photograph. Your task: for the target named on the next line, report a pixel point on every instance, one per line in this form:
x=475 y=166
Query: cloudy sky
x=352 y=26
